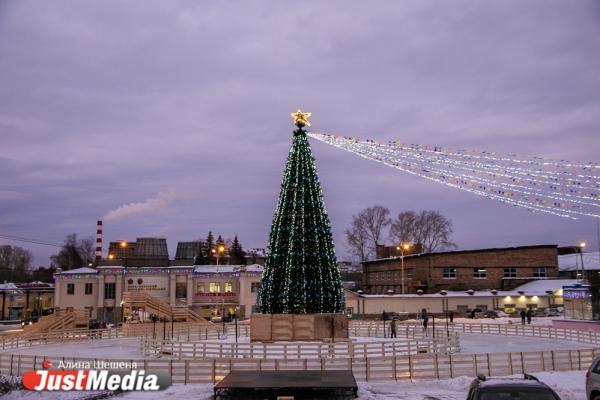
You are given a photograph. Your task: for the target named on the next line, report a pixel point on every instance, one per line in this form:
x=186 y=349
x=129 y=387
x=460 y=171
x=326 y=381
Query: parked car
x=475 y=313
x=495 y=314
x=554 y=312
x=592 y=380
x=526 y=388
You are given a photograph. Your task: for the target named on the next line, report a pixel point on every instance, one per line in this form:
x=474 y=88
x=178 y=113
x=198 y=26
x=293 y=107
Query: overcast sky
x=182 y=107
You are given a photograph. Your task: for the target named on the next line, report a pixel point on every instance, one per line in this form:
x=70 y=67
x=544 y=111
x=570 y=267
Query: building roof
x=8 y=286
x=83 y=270
x=543 y=285
x=199 y=269
x=538 y=287
x=35 y=285
x=571 y=262
x=466 y=251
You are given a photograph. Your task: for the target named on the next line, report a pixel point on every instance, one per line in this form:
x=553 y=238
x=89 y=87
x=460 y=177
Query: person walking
x=529 y=315
x=393 y=327
x=451 y=316
x=425 y=317
x=523 y=315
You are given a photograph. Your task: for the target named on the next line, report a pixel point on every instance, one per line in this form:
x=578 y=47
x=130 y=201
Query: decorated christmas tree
x=301 y=274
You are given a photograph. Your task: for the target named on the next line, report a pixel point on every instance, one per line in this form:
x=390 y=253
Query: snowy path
x=570 y=385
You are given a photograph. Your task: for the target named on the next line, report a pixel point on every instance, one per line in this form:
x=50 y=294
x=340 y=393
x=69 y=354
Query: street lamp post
x=402 y=248
x=494 y=300
x=218 y=251
x=445 y=310
x=581 y=247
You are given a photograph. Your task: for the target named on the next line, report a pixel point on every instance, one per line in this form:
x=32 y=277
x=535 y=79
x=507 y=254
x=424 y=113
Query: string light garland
x=301 y=274
x=562 y=188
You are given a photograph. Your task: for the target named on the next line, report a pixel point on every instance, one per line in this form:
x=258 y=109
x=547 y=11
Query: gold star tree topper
x=301 y=118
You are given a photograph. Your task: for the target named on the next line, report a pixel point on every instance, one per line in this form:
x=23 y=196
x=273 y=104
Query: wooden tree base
x=298 y=327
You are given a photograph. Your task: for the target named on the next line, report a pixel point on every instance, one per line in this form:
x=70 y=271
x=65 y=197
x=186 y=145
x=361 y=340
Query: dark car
x=526 y=388
x=29 y=321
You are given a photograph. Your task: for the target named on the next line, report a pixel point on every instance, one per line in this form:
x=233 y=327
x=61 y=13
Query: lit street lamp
x=581 y=247
x=218 y=251
x=401 y=249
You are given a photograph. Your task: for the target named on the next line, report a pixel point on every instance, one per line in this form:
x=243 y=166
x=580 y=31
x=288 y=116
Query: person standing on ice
x=393 y=328
x=523 y=315
x=529 y=315
x=425 y=317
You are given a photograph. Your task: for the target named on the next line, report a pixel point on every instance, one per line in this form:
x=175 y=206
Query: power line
x=28 y=240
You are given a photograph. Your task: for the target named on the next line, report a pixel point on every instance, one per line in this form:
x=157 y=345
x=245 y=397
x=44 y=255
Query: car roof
x=495 y=382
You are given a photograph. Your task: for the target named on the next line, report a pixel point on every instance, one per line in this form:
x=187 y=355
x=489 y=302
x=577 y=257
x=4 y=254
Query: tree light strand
x=538 y=185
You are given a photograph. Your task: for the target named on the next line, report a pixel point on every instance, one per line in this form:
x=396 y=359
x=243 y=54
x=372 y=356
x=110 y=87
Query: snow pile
x=570 y=385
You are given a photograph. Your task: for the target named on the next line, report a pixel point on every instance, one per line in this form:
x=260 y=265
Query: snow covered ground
x=472 y=343
x=129 y=348
x=545 y=321
x=124 y=348
x=570 y=385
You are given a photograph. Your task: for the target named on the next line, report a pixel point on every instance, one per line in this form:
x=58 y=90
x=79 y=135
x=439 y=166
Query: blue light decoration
x=576 y=294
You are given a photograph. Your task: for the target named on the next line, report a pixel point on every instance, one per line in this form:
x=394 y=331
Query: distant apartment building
x=496 y=268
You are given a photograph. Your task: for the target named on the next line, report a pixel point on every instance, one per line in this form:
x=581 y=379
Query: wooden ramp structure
x=61 y=320
x=147 y=303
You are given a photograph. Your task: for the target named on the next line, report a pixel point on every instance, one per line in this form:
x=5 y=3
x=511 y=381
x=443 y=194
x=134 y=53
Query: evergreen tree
x=301 y=274
x=220 y=242
x=210 y=245
x=237 y=255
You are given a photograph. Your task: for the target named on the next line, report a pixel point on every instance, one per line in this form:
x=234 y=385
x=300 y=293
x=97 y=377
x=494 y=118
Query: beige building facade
x=535 y=295
x=209 y=290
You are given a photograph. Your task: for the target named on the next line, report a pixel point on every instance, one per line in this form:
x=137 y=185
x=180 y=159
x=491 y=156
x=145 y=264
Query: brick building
x=500 y=268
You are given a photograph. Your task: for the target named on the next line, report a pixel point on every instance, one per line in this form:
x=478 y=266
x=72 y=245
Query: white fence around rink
x=298 y=350
x=417 y=366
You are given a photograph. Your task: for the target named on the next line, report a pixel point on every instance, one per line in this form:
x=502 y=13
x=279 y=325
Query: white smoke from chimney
x=151 y=205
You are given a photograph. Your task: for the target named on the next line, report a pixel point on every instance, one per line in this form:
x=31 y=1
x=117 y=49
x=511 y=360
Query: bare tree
x=429 y=228
x=358 y=240
x=367 y=231
x=74 y=253
x=434 y=231
x=375 y=220
x=404 y=228
x=15 y=264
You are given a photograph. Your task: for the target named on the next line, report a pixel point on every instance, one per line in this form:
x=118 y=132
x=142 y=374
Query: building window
x=479 y=273
x=214 y=287
x=539 y=272
x=109 y=291
x=88 y=288
x=408 y=273
x=510 y=272
x=70 y=288
x=228 y=287
x=200 y=287
x=449 y=273
x=180 y=290
x=254 y=287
